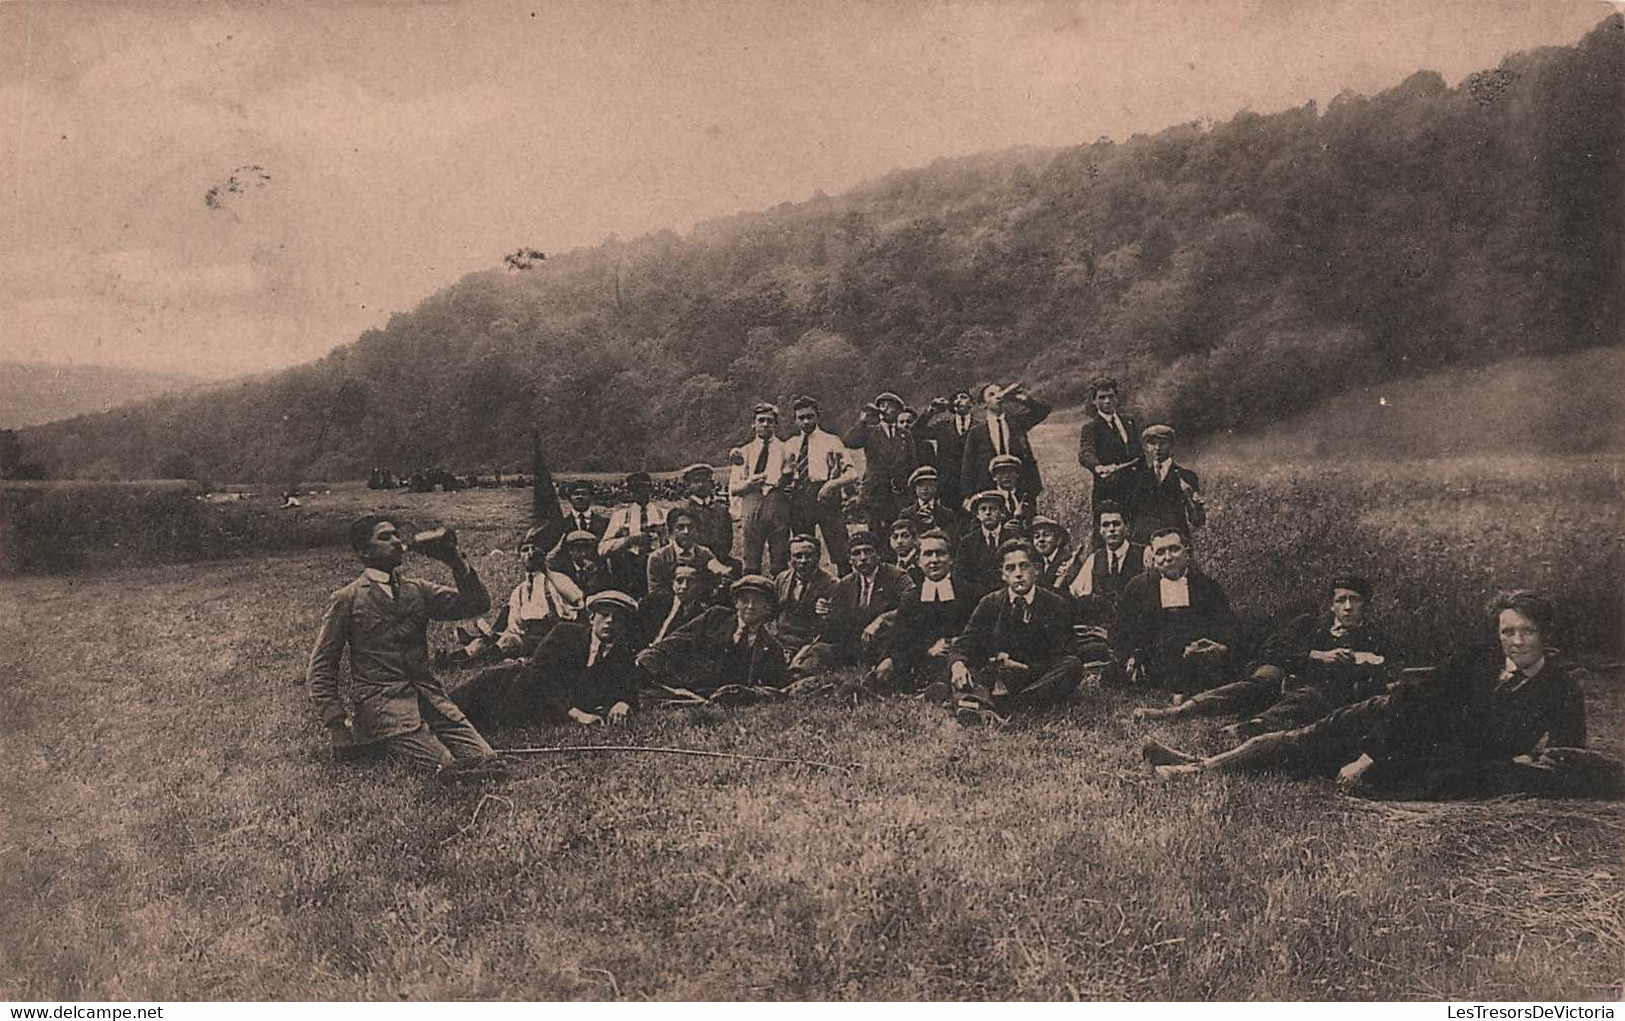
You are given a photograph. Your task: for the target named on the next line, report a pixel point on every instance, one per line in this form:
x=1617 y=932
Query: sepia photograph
x=896 y=501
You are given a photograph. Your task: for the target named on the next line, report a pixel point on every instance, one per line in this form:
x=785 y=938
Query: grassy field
x=171 y=827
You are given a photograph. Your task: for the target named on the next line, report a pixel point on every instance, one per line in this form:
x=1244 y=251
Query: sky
x=216 y=189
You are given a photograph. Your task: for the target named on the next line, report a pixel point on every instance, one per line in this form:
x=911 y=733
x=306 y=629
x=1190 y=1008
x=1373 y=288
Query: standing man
x=929 y=510
x=1108 y=443
x=582 y=518
x=755 y=480
x=1011 y=413
x=1160 y=493
x=1175 y=629
x=1017 y=649
x=716 y=525
x=633 y=531
x=401 y=710
x=948 y=421
x=820 y=469
x=890 y=456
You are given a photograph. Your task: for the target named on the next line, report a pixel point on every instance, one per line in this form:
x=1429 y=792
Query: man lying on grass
x=1017 y=649
x=728 y=653
x=400 y=709
x=582 y=673
x=1308 y=668
x=1505 y=717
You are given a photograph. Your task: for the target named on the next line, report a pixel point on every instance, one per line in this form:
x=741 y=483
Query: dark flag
x=544 y=496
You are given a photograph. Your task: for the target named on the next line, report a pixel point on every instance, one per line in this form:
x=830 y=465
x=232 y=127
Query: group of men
x=954 y=587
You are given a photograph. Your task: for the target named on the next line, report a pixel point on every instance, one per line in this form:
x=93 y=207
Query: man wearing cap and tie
x=1108 y=443
x=540 y=601
x=1009 y=416
x=723 y=648
x=805 y=594
x=890 y=456
x=820 y=468
x=633 y=531
x=1017 y=649
x=576 y=557
x=1160 y=493
x=871 y=591
x=929 y=510
x=948 y=421
x=1006 y=472
x=400 y=708
x=716 y=525
x=977 y=557
x=585 y=673
x=581 y=516
x=756 y=480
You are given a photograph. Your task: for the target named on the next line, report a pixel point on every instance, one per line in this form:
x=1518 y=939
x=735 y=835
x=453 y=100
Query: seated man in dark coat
x=870 y=591
x=1052 y=542
x=1475 y=727
x=1017 y=650
x=666 y=610
x=905 y=546
x=1308 y=668
x=683 y=549
x=576 y=557
x=928 y=510
x=805 y=596
x=723 y=648
x=716 y=525
x=586 y=674
x=976 y=556
x=1175 y=629
x=581 y=517
x=928 y=620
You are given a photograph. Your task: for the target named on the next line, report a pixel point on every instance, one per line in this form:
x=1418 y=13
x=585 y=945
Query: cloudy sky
x=224 y=188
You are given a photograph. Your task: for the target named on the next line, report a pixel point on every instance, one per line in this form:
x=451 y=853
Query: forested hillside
x=1228 y=273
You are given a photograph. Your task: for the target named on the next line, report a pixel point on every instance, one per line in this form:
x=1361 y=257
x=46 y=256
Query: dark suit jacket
x=596 y=577
x=561 y=680
x=597 y=522
x=919 y=625
x=976 y=564
x=996 y=627
x=1153 y=505
x=798 y=623
x=652 y=612
x=664 y=560
x=891 y=585
x=701 y=655
x=1143 y=627
x=716 y=527
x=1098 y=442
x=943 y=428
x=1019 y=417
x=887 y=462
x=939 y=515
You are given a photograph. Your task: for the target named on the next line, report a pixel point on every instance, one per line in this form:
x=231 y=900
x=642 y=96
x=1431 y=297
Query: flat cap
x=924 y=473
x=580 y=535
x=698 y=469
x=889 y=396
x=1165 y=431
x=755 y=583
x=1044 y=521
x=986 y=496
x=610 y=600
x=1004 y=461
x=862 y=539
x=643 y=477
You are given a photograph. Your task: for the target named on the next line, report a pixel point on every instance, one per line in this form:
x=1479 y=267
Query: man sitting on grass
x=1174 y=626
x=976 y=556
x=928 y=620
x=724 y=651
x=684 y=549
x=806 y=598
x=853 y=631
x=666 y=610
x=905 y=547
x=1305 y=670
x=397 y=709
x=585 y=673
x=1017 y=649
x=576 y=557
x=1498 y=719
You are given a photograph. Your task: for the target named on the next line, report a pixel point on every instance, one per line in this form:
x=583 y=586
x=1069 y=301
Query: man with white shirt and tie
x=820 y=469
x=805 y=594
x=1160 y=493
x=928 y=619
x=1010 y=413
x=947 y=422
x=890 y=456
x=633 y=531
x=1175 y=629
x=1108 y=443
x=581 y=517
x=756 y=480
x=397 y=708
x=905 y=546
x=1104 y=573
x=1017 y=649
x=584 y=673
x=871 y=591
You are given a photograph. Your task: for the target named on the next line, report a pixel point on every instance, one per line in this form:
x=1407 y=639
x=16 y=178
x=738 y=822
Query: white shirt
x=827 y=456
x=750 y=453
x=592 y=650
x=1525 y=676
x=1000 y=432
x=962 y=423
x=866 y=588
x=541 y=595
x=629 y=521
x=383 y=578
x=582 y=521
x=937 y=591
x=1174 y=593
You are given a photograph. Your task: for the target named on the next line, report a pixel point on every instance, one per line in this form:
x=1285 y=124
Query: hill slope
x=1231 y=275
x=31 y=394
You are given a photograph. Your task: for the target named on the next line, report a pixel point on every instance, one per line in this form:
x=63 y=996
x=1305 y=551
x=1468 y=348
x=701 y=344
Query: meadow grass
x=171 y=827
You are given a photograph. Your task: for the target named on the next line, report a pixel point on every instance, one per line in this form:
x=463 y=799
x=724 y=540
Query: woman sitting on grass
x=1501 y=718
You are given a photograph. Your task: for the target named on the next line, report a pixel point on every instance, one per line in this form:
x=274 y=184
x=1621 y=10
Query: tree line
x=1229 y=273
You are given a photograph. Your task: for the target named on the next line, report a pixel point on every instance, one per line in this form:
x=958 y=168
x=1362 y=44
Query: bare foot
x=1159 y=754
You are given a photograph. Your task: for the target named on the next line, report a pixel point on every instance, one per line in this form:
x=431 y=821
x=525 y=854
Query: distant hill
x=1568 y=404
x=1230 y=274
x=31 y=394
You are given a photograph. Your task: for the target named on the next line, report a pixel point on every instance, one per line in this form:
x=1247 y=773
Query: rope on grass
x=660 y=749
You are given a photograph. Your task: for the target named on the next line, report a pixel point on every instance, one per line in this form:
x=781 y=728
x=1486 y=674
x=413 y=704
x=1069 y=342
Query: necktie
x=889 y=434
x=761 y=459
x=1509 y=679
x=395 y=587
x=868 y=587
x=1003 y=446
x=1011 y=505
x=671 y=615
x=801 y=459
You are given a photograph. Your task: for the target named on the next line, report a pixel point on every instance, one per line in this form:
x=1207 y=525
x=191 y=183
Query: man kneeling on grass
x=400 y=709
x=1017 y=649
x=726 y=654
x=585 y=673
x=1502 y=718
x=1305 y=670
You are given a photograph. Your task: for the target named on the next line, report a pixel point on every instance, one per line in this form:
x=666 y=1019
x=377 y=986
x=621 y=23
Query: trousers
x=808 y=512
x=764 y=520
